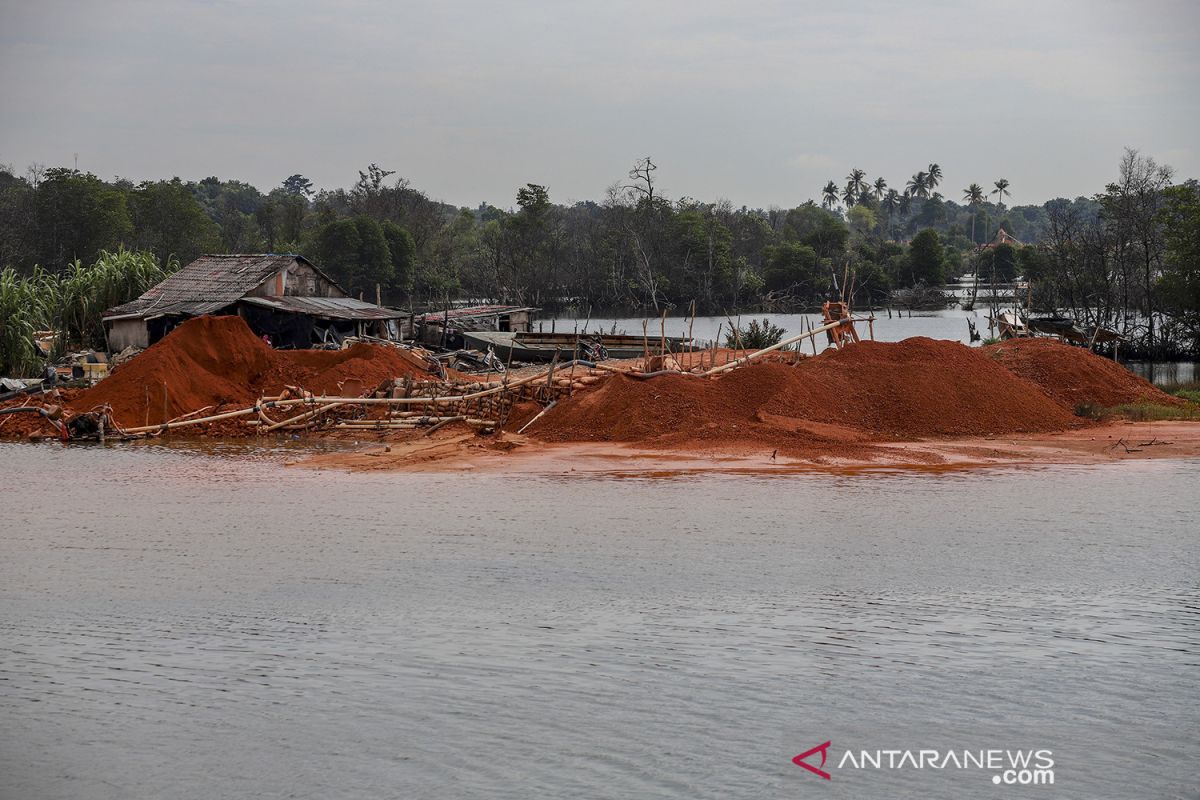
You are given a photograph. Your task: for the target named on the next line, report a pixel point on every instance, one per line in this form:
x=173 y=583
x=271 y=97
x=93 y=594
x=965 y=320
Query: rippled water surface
x=205 y=624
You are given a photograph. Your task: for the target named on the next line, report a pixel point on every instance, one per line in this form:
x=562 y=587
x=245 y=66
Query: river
x=194 y=622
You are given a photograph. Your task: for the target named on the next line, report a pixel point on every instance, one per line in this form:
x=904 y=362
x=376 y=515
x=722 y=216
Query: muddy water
x=192 y=624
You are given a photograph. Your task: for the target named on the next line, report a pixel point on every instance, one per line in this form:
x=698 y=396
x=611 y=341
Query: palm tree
x=880 y=188
x=973 y=194
x=856 y=181
x=918 y=185
x=849 y=195
x=934 y=177
x=1001 y=189
x=829 y=195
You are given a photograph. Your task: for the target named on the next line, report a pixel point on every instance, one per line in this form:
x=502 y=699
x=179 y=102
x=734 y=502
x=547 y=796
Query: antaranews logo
x=1020 y=767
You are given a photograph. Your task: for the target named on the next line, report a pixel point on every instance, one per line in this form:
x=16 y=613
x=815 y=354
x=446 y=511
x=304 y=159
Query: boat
x=1068 y=329
x=541 y=347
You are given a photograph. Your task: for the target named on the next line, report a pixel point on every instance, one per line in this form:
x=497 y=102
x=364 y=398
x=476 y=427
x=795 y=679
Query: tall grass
x=26 y=305
x=70 y=304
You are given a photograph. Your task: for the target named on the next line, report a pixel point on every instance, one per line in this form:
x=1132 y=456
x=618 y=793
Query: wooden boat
x=541 y=347
x=1067 y=328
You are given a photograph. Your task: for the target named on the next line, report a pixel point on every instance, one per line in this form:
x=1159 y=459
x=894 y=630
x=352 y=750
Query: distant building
x=282 y=296
x=1004 y=237
x=445 y=328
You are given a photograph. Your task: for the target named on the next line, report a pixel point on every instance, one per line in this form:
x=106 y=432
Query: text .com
x=1019 y=767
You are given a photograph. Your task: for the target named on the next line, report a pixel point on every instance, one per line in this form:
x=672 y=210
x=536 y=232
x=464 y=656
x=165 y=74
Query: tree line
x=1118 y=257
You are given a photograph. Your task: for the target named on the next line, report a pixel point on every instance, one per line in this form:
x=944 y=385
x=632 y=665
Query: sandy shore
x=461 y=451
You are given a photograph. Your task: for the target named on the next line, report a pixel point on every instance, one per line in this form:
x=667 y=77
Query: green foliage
x=402 y=251
x=86 y=291
x=927 y=259
x=76 y=215
x=755 y=336
x=71 y=303
x=169 y=221
x=354 y=252
x=794 y=267
x=1180 y=282
x=26 y=305
x=1000 y=262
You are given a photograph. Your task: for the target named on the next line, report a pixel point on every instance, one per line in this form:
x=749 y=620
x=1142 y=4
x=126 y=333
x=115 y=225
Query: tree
x=1000 y=262
x=862 y=220
x=880 y=188
x=643 y=176
x=796 y=269
x=76 y=216
x=918 y=185
x=1132 y=208
x=973 y=194
x=829 y=197
x=934 y=176
x=818 y=228
x=1180 y=215
x=298 y=185
x=355 y=252
x=856 y=185
x=168 y=220
x=1001 y=190
x=926 y=259
x=402 y=252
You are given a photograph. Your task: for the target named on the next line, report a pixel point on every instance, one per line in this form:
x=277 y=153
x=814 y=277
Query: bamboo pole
x=539 y=416
x=184 y=423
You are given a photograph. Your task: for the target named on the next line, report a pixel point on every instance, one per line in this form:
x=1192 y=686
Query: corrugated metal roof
x=209 y=283
x=472 y=311
x=329 y=307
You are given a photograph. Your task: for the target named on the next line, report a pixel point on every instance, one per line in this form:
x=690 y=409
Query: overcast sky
x=760 y=103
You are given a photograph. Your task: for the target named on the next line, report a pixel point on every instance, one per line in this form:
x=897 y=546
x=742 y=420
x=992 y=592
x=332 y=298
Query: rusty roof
x=209 y=283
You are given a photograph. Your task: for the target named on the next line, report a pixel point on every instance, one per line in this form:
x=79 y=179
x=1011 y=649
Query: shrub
x=755 y=336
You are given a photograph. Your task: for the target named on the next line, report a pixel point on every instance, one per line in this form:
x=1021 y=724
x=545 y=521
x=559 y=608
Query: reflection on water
x=188 y=625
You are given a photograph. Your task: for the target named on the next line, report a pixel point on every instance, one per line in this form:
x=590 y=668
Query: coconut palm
x=829 y=195
x=849 y=195
x=856 y=181
x=1001 y=190
x=881 y=188
x=934 y=177
x=918 y=185
x=973 y=194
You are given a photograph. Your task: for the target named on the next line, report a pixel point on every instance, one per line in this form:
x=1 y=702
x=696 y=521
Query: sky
x=759 y=103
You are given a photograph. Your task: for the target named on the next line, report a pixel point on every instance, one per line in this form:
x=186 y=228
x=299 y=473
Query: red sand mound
x=218 y=361
x=1074 y=375
x=873 y=390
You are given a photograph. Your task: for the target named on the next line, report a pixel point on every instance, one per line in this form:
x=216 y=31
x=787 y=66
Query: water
x=948 y=324
x=190 y=624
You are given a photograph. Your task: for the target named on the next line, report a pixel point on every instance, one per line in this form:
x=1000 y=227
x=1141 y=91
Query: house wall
x=519 y=321
x=297 y=280
x=125 y=332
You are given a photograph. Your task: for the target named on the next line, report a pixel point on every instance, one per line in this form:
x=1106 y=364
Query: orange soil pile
x=870 y=391
x=1074 y=375
x=218 y=361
